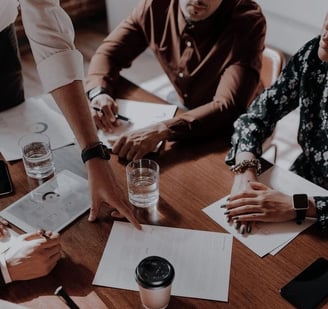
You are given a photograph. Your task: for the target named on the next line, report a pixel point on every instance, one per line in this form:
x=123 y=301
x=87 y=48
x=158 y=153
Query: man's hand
x=136 y=144
x=103 y=111
x=3 y=228
x=106 y=192
x=33 y=255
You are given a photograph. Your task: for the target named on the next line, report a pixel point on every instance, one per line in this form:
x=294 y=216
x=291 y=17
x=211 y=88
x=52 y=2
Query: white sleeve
x=51 y=35
x=4 y=269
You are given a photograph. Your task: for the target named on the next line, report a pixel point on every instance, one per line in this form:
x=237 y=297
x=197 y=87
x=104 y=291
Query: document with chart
x=51 y=206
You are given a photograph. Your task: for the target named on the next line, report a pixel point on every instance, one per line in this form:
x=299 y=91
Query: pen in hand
x=117 y=116
x=61 y=293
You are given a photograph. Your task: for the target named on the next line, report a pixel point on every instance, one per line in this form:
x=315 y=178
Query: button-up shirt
x=51 y=36
x=303 y=83
x=213 y=64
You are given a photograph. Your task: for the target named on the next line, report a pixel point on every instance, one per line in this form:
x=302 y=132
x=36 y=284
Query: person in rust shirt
x=211 y=51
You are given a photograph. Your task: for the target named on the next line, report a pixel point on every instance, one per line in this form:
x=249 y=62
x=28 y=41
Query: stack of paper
x=270 y=237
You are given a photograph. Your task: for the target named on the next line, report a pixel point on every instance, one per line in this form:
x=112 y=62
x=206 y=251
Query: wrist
x=245 y=165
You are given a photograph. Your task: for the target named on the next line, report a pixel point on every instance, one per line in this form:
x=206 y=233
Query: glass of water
x=37 y=155
x=143 y=182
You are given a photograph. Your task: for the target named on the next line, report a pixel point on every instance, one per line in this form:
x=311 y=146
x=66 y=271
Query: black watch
x=92 y=93
x=301 y=205
x=96 y=151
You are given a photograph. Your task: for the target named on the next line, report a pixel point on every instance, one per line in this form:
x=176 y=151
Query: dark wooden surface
x=193 y=175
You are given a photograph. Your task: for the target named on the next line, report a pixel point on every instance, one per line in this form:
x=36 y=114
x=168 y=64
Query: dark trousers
x=11 y=79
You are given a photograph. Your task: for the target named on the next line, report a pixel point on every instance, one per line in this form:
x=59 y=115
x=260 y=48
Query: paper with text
x=201 y=259
x=270 y=237
x=32 y=116
x=51 y=206
x=141 y=114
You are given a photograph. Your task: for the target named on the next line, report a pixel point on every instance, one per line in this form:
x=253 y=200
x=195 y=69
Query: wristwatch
x=92 y=93
x=98 y=150
x=301 y=205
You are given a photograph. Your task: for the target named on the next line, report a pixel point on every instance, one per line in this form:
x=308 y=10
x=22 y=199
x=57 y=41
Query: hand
x=107 y=108
x=3 y=228
x=33 y=255
x=242 y=183
x=136 y=144
x=106 y=192
x=260 y=203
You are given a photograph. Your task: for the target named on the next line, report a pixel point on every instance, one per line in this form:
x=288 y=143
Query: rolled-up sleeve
x=51 y=36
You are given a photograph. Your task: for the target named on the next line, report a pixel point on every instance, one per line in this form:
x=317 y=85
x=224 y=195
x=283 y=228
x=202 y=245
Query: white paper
x=8 y=241
x=34 y=115
x=201 y=259
x=141 y=114
x=51 y=206
x=270 y=237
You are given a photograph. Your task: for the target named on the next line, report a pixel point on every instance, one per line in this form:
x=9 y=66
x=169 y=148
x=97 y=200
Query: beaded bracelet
x=242 y=166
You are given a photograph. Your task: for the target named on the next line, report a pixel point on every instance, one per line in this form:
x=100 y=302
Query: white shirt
x=51 y=35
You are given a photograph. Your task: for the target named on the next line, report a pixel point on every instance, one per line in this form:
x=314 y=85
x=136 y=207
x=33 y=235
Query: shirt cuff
x=61 y=69
x=4 y=269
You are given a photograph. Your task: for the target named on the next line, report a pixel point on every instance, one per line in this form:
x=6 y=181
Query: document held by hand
x=140 y=115
x=268 y=237
x=201 y=259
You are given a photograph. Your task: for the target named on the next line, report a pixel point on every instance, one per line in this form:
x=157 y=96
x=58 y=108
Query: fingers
x=258 y=185
x=94 y=210
x=126 y=212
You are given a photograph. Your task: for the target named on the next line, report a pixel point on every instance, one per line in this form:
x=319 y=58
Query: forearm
x=73 y=103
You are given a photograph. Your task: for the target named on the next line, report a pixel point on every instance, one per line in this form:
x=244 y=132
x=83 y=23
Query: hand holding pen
x=105 y=113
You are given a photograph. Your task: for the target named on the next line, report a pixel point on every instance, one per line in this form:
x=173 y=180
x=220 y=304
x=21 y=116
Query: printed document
x=35 y=115
x=268 y=237
x=201 y=259
x=51 y=206
x=141 y=114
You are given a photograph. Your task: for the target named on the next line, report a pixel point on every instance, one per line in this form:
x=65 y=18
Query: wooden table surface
x=192 y=176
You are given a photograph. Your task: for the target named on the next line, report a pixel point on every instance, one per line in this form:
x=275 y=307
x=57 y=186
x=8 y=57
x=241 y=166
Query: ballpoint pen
x=61 y=293
x=117 y=116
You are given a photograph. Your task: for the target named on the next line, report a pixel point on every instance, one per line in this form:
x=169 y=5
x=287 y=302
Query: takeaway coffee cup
x=154 y=276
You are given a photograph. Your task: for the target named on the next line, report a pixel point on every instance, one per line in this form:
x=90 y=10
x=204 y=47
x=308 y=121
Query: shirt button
x=180 y=74
x=188 y=43
x=185 y=95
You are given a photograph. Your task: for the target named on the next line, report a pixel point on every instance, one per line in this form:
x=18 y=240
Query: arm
x=31 y=256
x=51 y=37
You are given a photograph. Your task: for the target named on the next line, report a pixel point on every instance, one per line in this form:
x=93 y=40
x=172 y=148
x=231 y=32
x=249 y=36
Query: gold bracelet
x=242 y=166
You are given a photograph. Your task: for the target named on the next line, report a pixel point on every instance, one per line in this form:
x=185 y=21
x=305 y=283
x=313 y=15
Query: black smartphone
x=308 y=290
x=6 y=185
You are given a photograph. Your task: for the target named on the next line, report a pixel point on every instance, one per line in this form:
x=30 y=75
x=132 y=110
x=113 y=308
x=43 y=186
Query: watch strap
x=98 y=150
x=300 y=204
x=92 y=93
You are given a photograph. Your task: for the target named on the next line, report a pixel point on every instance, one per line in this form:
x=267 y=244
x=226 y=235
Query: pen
x=61 y=293
x=117 y=116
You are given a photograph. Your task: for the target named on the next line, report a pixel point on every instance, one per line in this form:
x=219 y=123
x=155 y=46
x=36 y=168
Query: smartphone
x=6 y=185
x=308 y=290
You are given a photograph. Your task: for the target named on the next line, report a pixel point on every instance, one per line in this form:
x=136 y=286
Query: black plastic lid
x=154 y=272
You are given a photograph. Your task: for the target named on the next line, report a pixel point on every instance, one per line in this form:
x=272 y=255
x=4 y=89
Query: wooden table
x=193 y=175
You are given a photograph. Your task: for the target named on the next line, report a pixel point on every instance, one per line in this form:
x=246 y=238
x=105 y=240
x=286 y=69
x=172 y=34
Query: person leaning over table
x=60 y=66
x=304 y=84
x=210 y=50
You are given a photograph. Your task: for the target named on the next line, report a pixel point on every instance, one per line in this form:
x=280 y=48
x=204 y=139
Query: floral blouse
x=303 y=83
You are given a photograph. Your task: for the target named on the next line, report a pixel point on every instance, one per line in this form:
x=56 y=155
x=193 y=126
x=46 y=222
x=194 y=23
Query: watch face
x=300 y=201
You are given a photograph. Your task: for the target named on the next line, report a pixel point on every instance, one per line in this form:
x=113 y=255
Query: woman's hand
x=260 y=203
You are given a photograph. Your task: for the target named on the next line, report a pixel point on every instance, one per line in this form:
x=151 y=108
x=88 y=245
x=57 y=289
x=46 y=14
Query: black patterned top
x=303 y=83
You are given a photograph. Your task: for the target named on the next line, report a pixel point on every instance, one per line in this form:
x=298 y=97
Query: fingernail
x=242 y=230
x=228 y=219
x=237 y=225
x=235 y=218
x=249 y=228
x=223 y=206
x=227 y=212
x=228 y=199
